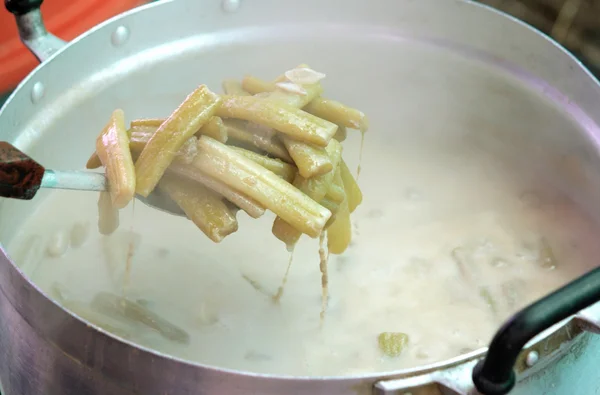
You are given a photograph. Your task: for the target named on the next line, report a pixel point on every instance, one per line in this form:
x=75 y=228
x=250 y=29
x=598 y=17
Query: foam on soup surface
x=446 y=246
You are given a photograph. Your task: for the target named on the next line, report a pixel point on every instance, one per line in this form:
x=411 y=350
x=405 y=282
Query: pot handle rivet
x=119 y=36
x=532 y=358
x=37 y=92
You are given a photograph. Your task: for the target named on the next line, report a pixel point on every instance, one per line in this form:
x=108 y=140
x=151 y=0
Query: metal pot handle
x=494 y=375
x=32 y=30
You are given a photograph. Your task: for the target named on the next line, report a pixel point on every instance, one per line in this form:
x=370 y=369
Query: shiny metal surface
x=464 y=71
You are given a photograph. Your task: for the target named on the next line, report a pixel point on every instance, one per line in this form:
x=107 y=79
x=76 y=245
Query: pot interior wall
x=428 y=100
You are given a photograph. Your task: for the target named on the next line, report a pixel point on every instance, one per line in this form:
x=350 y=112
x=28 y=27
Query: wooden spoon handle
x=20 y=176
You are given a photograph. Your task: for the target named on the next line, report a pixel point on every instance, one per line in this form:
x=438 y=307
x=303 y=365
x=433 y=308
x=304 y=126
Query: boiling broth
x=444 y=249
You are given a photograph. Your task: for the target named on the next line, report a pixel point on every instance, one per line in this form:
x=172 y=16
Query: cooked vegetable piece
x=338 y=113
x=463 y=262
x=310 y=159
x=240 y=131
x=303 y=75
x=147 y=122
x=108 y=215
x=140 y=135
x=351 y=187
x=162 y=147
x=103 y=321
x=277 y=166
x=248 y=177
x=214 y=128
x=489 y=300
x=327 y=109
x=93 y=162
x=114 y=305
x=339 y=233
x=547 y=258
x=202 y=206
x=392 y=343
x=336 y=190
x=284 y=118
x=234 y=87
x=315 y=188
x=191 y=172
x=341 y=133
x=331 y=206
x=112 y=147
x=323 y=261
x=255 y=85
x=296 y=100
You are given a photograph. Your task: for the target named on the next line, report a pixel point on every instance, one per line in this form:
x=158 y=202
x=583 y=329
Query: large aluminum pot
x=485 y=65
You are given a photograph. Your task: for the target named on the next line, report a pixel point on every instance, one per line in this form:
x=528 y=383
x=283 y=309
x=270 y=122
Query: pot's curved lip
x=84 y=325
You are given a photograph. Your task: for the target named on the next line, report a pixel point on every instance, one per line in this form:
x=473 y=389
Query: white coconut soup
x=446 y=246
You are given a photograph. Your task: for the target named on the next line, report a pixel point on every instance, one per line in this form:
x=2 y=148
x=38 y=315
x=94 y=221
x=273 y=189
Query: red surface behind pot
x=66 y=19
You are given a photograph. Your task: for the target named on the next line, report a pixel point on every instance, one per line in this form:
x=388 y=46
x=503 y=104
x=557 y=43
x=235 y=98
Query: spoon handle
x=21 y=177
x=74 y=179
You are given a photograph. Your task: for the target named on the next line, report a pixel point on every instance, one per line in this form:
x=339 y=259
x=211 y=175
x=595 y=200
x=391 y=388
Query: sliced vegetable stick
x=255 y=85
x=214 y=128
x=108 y=215
x=239 y=130
x=239 y=172
x=94 y=162
x=201 y=205
x=285 y=119
x=295 y=99
x=339 y=233
x=341 y=133
x=147 y=122
x=338 y=113
x=331 y=206
x=315 y=188
x=112 y=147
x=162 y=147
x=336 y=190
x=327 y=109
x=140 y=135
x=310 y=159
x=279 y=167
x=249 y=205
x=192 y=172
x=311 y=91
x=351 y=187
x=114 y=305
x=234 y=87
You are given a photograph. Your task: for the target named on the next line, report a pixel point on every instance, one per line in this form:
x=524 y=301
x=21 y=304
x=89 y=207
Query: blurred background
x=573 y=23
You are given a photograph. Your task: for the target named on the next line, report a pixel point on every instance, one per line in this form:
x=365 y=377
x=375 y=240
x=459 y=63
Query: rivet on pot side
x=119 y=36
x=37 y=92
